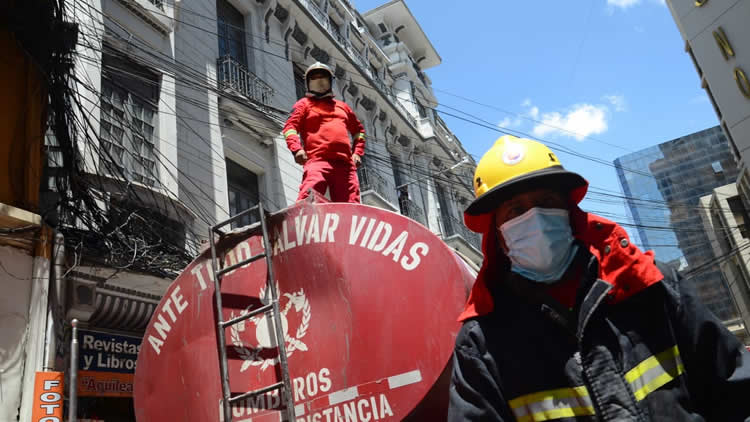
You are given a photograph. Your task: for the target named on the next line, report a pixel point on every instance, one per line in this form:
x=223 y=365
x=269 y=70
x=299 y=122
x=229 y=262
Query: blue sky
x=610 y=71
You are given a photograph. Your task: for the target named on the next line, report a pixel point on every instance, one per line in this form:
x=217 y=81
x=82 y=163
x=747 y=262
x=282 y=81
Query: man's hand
x=356 y=159
x=300 y=157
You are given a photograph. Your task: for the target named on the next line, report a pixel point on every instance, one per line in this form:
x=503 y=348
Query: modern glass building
x=663 y=185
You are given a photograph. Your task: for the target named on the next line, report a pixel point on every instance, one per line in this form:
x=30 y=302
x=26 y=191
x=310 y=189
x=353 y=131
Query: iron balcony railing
x=371 y=180
x=319 y=14
x=410 y=209
x=158 y=3
x=453 y=227
x=234 y=76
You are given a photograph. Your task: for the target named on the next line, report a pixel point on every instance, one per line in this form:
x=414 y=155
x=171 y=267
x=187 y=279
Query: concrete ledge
x=26 y=222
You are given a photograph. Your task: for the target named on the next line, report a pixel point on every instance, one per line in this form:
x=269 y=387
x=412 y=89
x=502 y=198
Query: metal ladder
x=219 y=271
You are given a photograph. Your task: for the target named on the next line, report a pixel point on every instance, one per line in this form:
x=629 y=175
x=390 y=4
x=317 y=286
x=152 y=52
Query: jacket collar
x=622 y=265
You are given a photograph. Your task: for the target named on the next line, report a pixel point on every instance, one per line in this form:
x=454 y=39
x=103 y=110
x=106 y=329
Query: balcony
x=235 y=77
x=452 y=227
x=375 y=189
x=410 y=209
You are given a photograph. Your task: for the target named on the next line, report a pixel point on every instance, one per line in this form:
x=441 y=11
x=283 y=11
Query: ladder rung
x=235 y=217
x=230 y=268
x=277 y=386
x=248 y=315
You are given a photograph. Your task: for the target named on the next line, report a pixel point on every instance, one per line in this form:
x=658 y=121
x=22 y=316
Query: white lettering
x=49 y=408
x=88 y=341
x=179 y=302
x=50 y=419
x=168 y=307
x=350 y=412
x=325 y=380
x=278 y=245
x=162 y=326
x=337 y=415
x=50 y=397
x=300 y=222
x=155 y=344
x=383 y=240
x=385 y=407
x=87 y=361
x=356 y=229
x=299 y=388
x=368 y=231
x=287 y=244
x=313 y=231
x=364 y=415
x=312 y=384
x=397 y=246
x=418 y=247
x=327 y=414
x=49 y=384
x=330 y=224
x=374 y=408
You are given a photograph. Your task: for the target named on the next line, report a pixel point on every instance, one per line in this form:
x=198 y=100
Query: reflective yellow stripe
x=568 y=412
x=360 y=136
x=654 y=372
x=290 y=132
x=552 y=404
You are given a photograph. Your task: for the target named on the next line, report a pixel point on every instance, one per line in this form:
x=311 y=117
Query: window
x=231 y=29
x=421 y=109
x=445 y=214
x=129 y=97
x=299 y=81
x=716 y=166
x=242 y=187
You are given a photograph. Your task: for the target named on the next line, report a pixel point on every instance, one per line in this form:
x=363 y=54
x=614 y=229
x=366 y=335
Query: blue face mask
x=540 y=244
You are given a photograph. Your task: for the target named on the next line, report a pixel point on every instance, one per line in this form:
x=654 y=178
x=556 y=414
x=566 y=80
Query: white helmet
x=318 y=66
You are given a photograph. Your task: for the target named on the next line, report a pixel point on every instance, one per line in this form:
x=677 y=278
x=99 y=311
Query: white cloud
x=700 y=99
x=622 y=4
x=580 y=121
x=526 y=102
x=617 y=101
x=509 y=122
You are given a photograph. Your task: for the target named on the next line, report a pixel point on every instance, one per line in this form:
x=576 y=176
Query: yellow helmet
x=514 y=165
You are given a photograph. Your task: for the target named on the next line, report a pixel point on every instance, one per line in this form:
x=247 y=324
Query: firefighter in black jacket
x=570 y=321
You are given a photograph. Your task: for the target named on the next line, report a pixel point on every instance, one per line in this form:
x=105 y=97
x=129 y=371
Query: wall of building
x=722 y=225
x=724 y=78
x=15 y=283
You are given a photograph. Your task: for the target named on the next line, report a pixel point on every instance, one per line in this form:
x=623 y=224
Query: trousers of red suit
x=339 y=177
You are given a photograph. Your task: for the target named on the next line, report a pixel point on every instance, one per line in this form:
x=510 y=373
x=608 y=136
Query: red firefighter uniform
x=324 y=124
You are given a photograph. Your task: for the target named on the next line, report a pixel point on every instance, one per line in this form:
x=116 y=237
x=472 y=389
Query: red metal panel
x=370 y=300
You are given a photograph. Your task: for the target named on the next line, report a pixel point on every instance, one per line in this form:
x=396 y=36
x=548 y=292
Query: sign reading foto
x=107 y=364
x=48 y=397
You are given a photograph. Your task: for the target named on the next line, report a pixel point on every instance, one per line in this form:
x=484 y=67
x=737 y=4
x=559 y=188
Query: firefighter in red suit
x=329 y=158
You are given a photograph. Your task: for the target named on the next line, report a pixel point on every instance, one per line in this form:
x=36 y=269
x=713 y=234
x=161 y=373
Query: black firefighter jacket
x=659 y=355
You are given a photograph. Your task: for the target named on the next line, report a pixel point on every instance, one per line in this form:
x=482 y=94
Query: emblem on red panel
x=254 y=339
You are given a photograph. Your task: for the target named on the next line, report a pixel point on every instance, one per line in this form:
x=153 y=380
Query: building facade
x=663 y=186
x=180 y=107
x=717 y=38
x=725 y=220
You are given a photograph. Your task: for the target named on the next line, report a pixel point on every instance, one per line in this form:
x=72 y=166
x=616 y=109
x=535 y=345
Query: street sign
x=48 y=397
x=369 y=302
x=106 y=364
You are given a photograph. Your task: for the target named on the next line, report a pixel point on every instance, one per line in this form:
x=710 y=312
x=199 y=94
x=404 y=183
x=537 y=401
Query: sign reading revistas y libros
x=106 y=364
x=369 y=301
